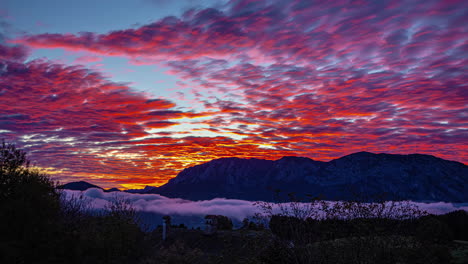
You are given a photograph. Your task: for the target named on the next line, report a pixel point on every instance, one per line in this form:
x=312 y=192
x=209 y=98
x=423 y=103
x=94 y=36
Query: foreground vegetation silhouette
x=355 y=232
x=39 y=224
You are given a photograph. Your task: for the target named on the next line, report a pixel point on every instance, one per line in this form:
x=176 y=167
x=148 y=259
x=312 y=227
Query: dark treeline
x=38 y=224
x=355 y=232
x=438 y=228
x=425 y=239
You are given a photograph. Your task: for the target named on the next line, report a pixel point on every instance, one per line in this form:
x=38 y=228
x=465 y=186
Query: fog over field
x=235 y=209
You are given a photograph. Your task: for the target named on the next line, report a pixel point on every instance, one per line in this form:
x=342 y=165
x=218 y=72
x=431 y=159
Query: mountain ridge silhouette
x=362 y=175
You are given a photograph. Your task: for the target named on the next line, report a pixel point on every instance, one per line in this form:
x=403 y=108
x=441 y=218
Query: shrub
x=39 y=224
x=30 y=206
x=456 y=222
x=430 y=229
x=344 y=232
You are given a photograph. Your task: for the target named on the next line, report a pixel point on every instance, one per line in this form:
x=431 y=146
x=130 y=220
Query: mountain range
x=363 y=176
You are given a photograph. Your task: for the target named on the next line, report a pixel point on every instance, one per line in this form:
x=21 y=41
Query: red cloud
x=81 y=125
x=13 y=52
x=320 y=79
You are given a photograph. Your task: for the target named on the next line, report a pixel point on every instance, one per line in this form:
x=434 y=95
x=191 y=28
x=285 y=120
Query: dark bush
x=38 y=225
x=431 y=230
x=29 y=206
x=456 y=221
x=223 y=222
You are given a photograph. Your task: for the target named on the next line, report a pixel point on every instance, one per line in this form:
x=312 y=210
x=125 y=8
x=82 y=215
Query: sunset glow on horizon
x=127 y=94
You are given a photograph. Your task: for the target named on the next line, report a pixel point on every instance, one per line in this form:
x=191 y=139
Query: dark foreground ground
x=248 y=246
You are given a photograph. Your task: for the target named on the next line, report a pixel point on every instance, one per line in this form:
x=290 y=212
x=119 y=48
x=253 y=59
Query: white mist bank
x=232 y=208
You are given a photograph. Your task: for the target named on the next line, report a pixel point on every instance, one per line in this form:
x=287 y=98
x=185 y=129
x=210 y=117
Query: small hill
x=79 y=186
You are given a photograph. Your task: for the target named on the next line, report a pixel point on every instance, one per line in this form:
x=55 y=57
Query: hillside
x=360 y=175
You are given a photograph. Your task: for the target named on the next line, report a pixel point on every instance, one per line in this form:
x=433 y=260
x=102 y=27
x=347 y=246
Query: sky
x=129 y=93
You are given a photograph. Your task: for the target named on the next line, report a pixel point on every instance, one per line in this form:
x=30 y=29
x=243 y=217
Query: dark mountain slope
x=360 y=175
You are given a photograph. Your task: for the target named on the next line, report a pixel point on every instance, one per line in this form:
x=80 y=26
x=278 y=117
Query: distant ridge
x=83 y=185
x=361 y=175
x=78 y=186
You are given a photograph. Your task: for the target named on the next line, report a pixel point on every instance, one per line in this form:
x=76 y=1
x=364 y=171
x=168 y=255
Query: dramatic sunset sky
x=128 y=93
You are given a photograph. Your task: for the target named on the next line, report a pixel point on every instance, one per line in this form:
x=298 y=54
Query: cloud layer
x=319 y=79
x=154 y=203
x=235 y=209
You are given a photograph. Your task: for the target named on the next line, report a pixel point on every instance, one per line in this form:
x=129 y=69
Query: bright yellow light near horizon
x=127 y=186
x=187 y=161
